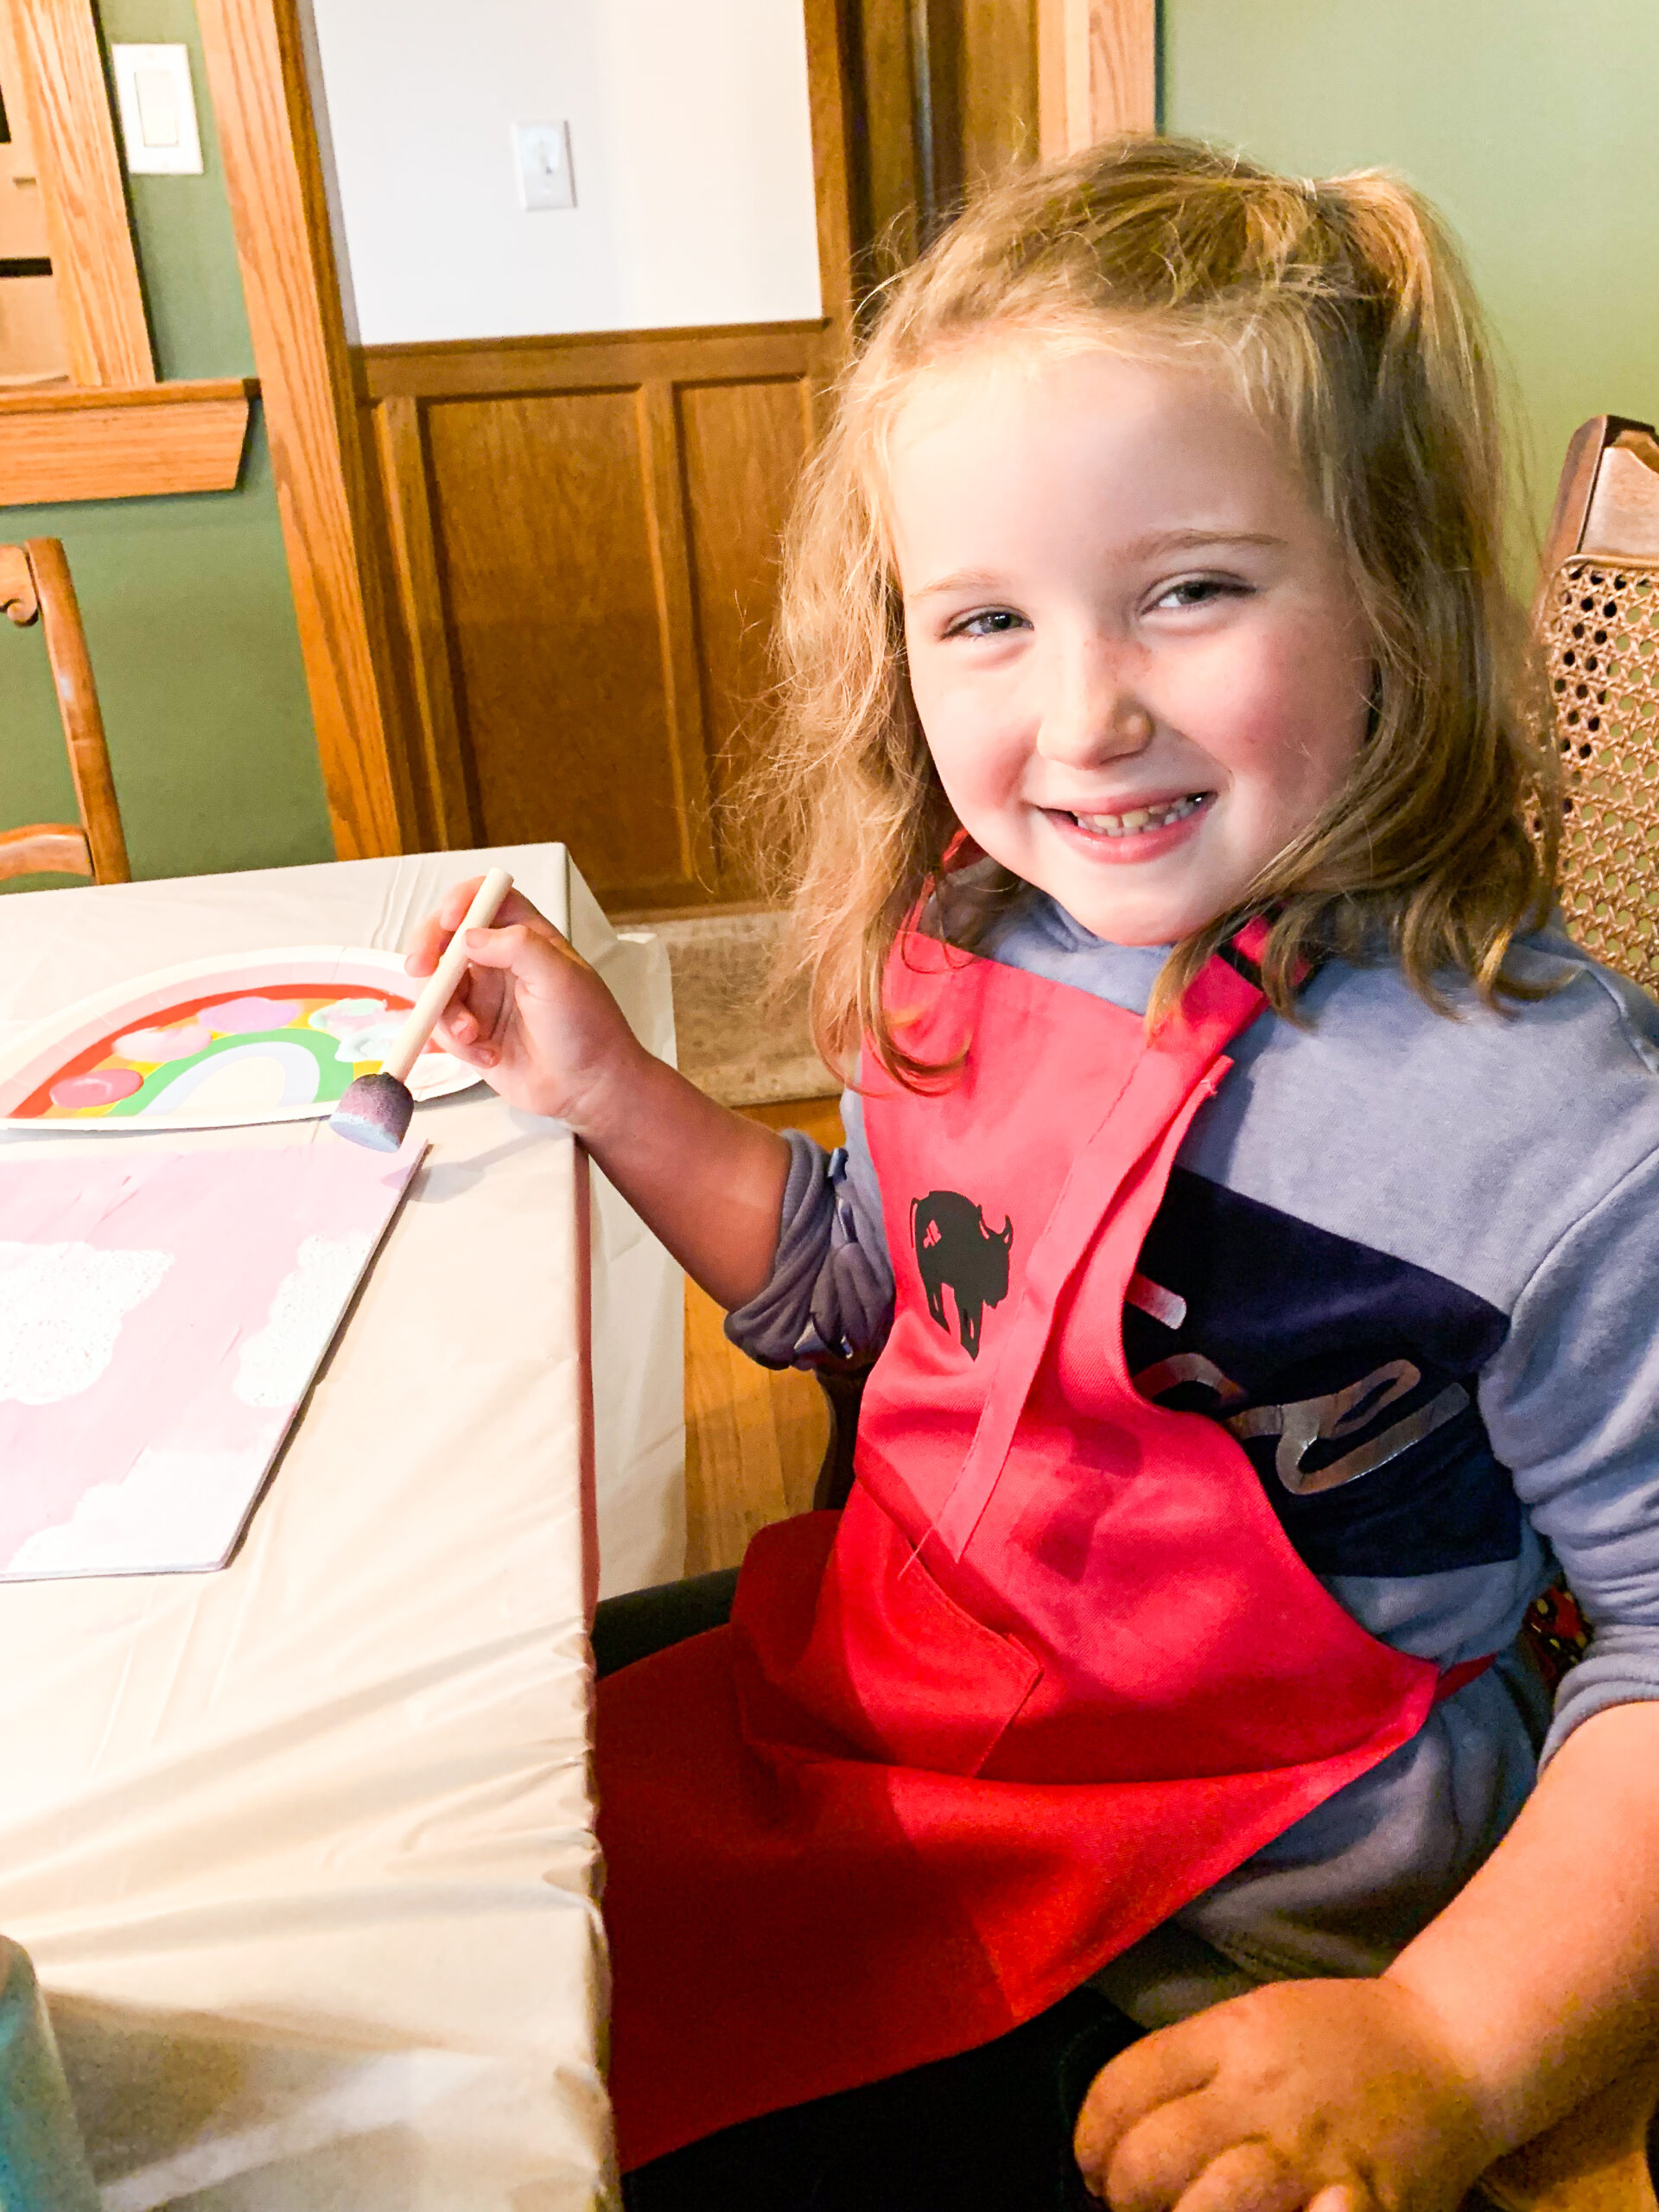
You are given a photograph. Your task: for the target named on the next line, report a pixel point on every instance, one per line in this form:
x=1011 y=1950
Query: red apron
x=1054 y=1670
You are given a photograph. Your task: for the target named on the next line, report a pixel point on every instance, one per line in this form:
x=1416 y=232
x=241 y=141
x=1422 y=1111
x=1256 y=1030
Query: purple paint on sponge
x=374 y=1111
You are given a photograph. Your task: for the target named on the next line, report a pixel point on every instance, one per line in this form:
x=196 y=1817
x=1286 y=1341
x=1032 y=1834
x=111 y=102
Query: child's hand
x=1340 y=2096
x=528 y=1012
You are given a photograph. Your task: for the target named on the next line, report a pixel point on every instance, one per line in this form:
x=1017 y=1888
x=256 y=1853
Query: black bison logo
x=954 y=1246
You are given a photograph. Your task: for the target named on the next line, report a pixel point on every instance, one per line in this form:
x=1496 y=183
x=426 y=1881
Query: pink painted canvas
x=162 y=1318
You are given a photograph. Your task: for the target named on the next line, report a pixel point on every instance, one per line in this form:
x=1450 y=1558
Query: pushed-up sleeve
x=1571 y=1403
x=830 y=1295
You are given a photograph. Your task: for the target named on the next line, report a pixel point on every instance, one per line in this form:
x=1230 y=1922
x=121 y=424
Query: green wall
x=189 y=617
x=1535 y=128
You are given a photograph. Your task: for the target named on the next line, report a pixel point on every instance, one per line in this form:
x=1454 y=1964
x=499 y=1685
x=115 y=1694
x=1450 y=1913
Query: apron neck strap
x=1243 y=952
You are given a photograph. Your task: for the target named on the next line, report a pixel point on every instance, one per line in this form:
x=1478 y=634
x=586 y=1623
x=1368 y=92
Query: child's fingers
x=425 y=948
x=1164 y=2155
x=1340 y=2196
x=451 y=908
x=1246 y=2177
x=478 y=1006
x=476 y=1051
x=515 y=908
x=1149 y=2074
x=538 y=965
x=459 y=1032
x=431 y=936
x=470 y=1025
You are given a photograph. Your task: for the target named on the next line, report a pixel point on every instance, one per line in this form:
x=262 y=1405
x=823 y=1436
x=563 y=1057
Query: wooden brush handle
x=428 y=1010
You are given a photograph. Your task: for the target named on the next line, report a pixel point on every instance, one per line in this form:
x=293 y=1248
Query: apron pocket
x=895 y=1665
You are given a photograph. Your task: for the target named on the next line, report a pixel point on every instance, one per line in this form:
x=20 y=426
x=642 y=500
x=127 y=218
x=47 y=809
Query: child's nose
x=1094 y=712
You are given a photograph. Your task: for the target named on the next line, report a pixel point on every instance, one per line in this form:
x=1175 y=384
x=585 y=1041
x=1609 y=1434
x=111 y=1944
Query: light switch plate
x=541 y=154
x=158 y=110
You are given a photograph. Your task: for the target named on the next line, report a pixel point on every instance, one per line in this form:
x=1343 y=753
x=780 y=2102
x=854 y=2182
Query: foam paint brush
x=376 y=1109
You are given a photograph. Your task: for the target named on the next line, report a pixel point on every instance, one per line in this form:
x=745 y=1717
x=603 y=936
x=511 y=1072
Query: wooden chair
x=35 y=587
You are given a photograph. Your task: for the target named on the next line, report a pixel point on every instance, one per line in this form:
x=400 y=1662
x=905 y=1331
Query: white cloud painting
x=277 y=1366
x=170 y=1505
x=62 y=1307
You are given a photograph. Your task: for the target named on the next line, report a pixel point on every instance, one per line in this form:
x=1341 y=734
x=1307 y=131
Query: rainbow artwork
x=280 y=1043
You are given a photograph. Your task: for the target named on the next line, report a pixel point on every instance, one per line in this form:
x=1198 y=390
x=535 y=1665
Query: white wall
x=691 y=147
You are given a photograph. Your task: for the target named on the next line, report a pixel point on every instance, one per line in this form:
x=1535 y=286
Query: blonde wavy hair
x=1343 y=315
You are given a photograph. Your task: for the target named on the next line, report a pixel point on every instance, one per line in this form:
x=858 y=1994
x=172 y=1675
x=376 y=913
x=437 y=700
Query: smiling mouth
x=1136 y=821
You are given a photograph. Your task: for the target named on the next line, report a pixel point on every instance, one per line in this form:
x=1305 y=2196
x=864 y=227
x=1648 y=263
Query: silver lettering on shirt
x=1309 y=1421
x=1322 y=1420
x=1186 y=1367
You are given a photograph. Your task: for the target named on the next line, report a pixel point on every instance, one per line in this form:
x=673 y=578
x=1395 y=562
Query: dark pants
x=988 y=2131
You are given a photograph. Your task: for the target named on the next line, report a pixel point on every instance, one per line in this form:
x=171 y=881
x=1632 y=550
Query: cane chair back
x=1597 y=616
x=35 y=587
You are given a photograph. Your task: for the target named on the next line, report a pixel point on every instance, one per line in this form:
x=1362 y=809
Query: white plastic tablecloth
x=302 y=1850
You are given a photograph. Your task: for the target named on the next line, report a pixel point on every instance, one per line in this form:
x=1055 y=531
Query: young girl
x=1256 y=1209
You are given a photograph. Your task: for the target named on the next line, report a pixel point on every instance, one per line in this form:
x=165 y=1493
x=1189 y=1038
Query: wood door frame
x=111 y=430
x=255 y=51
x=1096 y=71
x=51 y=48
x=385 y=789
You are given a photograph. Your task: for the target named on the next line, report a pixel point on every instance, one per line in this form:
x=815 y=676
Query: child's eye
x=1199 y=591
x=990 y=622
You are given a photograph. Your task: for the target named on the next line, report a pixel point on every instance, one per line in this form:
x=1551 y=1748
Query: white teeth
x=1139 y=817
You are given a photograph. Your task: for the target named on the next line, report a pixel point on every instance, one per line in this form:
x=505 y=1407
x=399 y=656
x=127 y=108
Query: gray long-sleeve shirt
x=1418 y=1259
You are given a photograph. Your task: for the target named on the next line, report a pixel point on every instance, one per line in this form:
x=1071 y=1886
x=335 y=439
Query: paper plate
x=219 y=1044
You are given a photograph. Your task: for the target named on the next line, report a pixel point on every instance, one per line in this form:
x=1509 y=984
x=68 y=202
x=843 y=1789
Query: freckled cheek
x=978 y=750
x=1287 y=718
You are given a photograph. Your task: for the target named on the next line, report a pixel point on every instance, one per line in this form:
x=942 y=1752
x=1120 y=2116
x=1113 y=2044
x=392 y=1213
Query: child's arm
x=1534 y=1987
x=542 y=1030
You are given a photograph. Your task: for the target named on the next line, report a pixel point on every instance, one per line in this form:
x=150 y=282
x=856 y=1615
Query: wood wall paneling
x=677 y=613
x=454 y=820
x=472 y=368
x=268 y=138
x=583 y=533
x=545 y=519
x=744 y=447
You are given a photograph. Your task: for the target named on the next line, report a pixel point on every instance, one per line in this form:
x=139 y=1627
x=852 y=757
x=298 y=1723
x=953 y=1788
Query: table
x=302 y=1850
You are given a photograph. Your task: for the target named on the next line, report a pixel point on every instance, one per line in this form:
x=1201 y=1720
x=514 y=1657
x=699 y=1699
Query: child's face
x=1137 y=653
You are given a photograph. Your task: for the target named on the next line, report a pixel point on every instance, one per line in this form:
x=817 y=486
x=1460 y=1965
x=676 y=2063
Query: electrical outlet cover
x=158 y=110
